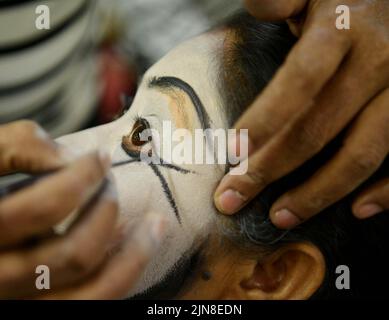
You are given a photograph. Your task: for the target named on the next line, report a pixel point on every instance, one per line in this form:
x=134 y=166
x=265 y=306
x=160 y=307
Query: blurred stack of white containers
x=49 y=76
x=52 y=76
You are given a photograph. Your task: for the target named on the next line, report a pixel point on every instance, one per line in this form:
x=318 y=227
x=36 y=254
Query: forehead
x=196 y=62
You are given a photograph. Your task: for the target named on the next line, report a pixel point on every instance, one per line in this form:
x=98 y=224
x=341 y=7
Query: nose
x=105 y=138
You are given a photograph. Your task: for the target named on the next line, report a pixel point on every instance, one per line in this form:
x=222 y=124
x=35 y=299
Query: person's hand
x=331 y=79
x=83 y=263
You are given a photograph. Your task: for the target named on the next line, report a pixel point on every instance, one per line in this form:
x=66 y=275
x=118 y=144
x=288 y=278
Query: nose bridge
x=105 y=137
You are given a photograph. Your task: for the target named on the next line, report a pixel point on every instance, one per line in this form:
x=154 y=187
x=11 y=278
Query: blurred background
x=85 y=68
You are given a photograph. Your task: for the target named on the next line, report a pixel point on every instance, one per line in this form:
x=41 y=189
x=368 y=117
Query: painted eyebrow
x=176 y=83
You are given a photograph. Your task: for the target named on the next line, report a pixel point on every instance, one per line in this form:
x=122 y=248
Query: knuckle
x=325 y=34
x=332 y=36
x=307 y=78
x=48 y=212
x=380 y=62
x=257 y=177
x=365 y=161
x=257 y=137
x=304 y=77
x=25 y=128
x=77 y=262
x=92 y=172
x=281 y=9
x=316 y=203
x=310 y=138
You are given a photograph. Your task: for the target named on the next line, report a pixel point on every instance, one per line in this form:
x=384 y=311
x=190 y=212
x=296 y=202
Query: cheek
x=132 y=194
x=140 y=192
x=194 y=196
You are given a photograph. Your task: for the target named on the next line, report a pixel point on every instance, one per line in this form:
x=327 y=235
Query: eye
x=133 y=142
x=136 y=134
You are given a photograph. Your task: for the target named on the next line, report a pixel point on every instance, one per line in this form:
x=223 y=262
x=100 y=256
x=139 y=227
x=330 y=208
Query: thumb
x=275 y=9
x=26 y=147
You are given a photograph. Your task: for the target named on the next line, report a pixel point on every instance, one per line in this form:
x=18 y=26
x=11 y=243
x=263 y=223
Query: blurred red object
x=119 y=80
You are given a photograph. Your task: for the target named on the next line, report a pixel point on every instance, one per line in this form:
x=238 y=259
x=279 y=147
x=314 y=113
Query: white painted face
x=140 y=190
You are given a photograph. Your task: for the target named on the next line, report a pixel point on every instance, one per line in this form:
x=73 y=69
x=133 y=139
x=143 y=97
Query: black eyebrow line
x=173 y=82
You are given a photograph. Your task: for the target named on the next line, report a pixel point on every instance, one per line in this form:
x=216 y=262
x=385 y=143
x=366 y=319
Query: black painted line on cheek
x=136 y=155
x=167 y=191
x=174 y=167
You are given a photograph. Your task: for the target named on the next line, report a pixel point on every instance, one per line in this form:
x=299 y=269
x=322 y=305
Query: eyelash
x=135 y=118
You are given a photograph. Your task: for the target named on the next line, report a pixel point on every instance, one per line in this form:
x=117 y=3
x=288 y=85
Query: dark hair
x=253 y=52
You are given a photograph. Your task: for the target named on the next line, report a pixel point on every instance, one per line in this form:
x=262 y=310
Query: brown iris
x=134 y=141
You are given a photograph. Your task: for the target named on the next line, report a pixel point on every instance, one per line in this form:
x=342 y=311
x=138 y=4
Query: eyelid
x=155 y=122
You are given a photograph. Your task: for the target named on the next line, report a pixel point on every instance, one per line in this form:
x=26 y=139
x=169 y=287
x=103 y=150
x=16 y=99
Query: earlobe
x=294 y=272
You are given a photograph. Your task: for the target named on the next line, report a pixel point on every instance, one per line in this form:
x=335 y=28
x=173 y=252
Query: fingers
x=43 y=205
x=372 y=201
x=121 y=273
x=25 y=146
x=363 y=152
x=301 y=137
x=291 y=92
x=295 y=85
x=69 y=258
x=274 y=10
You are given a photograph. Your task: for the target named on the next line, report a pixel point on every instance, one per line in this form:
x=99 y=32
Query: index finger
x=274 y=10
x=26 y=147
x=294 y=87
x=43 y=205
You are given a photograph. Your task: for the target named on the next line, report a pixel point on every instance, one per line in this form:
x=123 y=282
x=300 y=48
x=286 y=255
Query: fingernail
x=230 y=201
x=368 y=210
x=285 y=219
x=105 y=160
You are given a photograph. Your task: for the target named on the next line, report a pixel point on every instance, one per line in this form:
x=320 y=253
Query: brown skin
x=84 y=263
x=293 y=272
x=332 y=79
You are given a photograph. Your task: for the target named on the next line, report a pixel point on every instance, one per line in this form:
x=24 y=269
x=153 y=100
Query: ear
x=294 y=271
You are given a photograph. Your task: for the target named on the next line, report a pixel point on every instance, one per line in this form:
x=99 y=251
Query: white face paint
x=140 y=190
